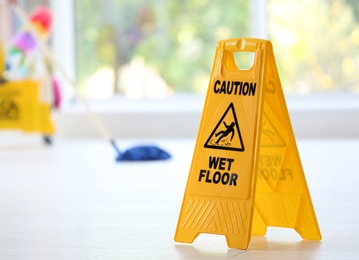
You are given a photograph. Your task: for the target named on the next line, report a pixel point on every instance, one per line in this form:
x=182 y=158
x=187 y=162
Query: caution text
x=228 y=87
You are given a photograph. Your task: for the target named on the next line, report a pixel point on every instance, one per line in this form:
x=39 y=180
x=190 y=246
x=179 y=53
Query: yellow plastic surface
x=20 y=108
x=2 y=60
x=245 y=139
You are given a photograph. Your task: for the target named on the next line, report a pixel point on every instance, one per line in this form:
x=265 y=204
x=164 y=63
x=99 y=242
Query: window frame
x=313 y=116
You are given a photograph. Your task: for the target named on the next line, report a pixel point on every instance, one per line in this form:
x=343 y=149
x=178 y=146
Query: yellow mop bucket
x=20 y=107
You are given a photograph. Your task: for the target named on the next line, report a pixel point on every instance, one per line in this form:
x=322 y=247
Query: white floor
x=73 y=201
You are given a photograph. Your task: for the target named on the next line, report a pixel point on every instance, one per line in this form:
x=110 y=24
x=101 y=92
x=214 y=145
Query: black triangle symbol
x=270 y=136
x=226 y=135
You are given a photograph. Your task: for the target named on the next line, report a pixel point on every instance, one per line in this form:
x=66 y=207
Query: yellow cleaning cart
x=21 y=107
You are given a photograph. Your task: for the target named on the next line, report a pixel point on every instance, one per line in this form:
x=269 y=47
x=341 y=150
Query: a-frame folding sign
x=246 y=172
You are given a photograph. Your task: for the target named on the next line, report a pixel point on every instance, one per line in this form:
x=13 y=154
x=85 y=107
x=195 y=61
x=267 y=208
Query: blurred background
x=156 y=49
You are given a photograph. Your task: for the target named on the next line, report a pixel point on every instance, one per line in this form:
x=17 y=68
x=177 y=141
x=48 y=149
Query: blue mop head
x=143 y=153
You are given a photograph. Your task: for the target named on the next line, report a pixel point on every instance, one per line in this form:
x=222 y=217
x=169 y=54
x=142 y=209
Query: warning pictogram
x=270 y=135
x=226 y=135
x=8 y=110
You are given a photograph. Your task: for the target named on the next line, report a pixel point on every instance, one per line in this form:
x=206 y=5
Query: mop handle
x=91 y=115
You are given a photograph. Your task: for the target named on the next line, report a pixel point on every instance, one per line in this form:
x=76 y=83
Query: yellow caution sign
x=20 y=108
x=246 y=172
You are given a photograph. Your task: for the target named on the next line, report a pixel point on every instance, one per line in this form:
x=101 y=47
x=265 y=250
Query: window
x=153 y=48
x=156 y=47
x=315 y=44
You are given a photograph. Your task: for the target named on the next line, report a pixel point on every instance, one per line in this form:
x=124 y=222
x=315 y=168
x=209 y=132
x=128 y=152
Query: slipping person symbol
x=224 y=133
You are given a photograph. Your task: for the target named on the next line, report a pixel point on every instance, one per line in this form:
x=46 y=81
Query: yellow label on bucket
x=20 y=108
x=245 y=132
